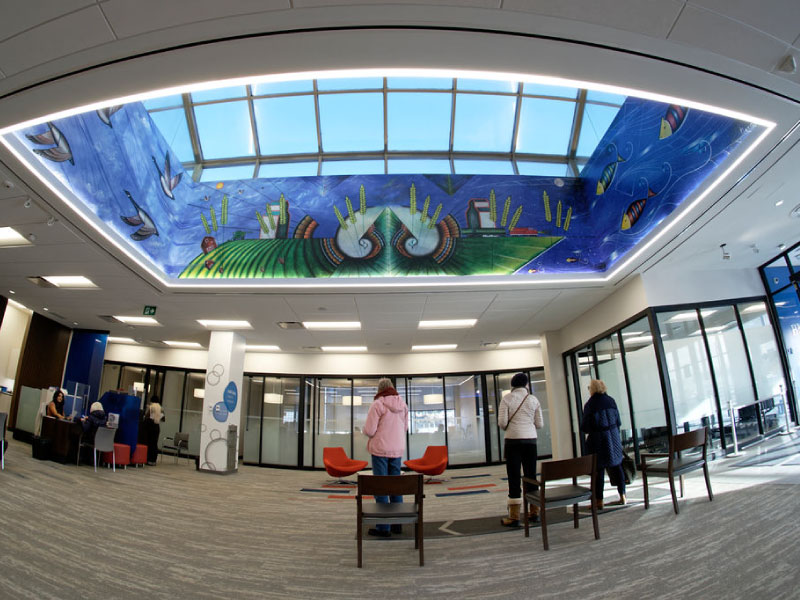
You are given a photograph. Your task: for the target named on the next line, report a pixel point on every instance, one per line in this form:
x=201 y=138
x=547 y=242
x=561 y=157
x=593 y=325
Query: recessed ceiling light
x=344 y=348
x=69 y=281
x=448 y=324
x=223 y=324
x=137 y=320
x=262 y=348
x=424 y=348
x=332 y=325
x=779 y=202
x=518 y=343
x=178 y=344
x=11 y=292
x=121 y=340
x=45 y=308
x=11 y=237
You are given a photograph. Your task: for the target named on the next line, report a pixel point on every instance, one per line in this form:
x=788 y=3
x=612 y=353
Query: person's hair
x=596 y=386
x=154 y=398
x=96 y=406
x=519 y=380
x=56 y=393
x=384 y=383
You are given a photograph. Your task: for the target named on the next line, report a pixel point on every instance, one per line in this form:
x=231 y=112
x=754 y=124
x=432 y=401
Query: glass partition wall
x=682 y=368
x=289 y=420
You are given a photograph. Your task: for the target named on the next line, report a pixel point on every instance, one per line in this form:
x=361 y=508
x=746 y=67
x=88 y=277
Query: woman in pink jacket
x=386 y=426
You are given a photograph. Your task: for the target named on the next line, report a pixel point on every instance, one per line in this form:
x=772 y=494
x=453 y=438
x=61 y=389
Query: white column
x=223 y=399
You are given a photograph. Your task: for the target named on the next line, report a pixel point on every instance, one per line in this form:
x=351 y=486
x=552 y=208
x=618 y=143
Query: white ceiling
x=740 y=40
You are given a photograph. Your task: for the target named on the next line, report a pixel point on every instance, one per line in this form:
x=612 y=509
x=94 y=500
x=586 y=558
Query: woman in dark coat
x=601 y=425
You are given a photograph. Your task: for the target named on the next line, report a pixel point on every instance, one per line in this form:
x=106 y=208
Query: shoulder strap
x=516 y=411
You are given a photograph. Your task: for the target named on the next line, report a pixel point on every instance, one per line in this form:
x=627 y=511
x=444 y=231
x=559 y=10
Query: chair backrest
x=435 y=454
x=104 y=439
x=568 y=468
x=685 y=441
x=181 y=439
x=391 y=485
x=334 y=455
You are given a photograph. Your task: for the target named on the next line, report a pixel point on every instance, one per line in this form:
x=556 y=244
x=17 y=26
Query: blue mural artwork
x=652 y=157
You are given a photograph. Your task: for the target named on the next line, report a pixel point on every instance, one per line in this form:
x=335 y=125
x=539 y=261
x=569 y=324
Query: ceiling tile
x=781 y=18
x=466 y=3
x=27 y=15
x=132 y=18
x=647 y=17
x=54 y=39
x=698 y=27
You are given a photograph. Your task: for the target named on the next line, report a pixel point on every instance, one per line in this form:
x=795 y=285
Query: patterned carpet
x=171 y=532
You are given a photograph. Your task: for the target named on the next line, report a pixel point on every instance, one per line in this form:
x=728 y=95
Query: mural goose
x=61 y=152
x=141 y=218
x=168 y=182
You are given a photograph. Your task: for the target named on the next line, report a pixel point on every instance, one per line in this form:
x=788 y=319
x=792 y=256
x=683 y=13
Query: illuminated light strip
x=145 y=263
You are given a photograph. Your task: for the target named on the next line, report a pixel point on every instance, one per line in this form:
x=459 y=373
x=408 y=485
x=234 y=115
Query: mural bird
x=105 y=113
x=168 y=182
x=141 y=219
x=672 y=120
x=60 y=152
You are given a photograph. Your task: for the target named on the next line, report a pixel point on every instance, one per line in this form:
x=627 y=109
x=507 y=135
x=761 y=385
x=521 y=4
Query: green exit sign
x=149 y=311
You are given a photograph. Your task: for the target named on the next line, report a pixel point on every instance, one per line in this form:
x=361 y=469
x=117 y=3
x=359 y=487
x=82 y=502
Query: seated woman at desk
x=56 y=406
x=96 y=418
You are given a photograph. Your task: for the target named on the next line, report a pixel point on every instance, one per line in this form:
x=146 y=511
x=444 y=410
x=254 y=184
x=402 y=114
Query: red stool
x=122 y=453
x=139 y=456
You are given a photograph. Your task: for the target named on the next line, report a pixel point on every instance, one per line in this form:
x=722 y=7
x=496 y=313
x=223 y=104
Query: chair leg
x=708 y=483
x=575 y=514
x=421 y=547
x=674 y=496
x=644 y=486
x=543 y=521
x=114 y=461
x=594 y=520
x=94 y=453
x=525 y=520
x=680 y=477
x=359 y=537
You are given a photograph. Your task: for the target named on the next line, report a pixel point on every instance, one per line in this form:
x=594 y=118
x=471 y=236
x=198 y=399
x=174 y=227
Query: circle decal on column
x=220 y=412
x=230 y=396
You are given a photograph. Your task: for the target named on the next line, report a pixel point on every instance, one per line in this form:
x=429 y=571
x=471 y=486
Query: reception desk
x=64 y=438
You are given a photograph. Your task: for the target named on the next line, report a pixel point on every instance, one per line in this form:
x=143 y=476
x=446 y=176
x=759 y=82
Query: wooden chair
x=677 y=464
x=548 y=496
x=393 y=513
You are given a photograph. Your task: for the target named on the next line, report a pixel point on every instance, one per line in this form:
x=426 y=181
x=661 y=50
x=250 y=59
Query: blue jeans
x=382 y=465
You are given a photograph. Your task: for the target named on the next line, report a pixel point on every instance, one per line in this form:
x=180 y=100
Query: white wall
x=12 y=336
x=339 y=364
x=685 y=286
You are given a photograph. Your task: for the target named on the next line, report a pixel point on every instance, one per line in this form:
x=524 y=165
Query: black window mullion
x=634 y=431
x=714 y=385
x=749 y=367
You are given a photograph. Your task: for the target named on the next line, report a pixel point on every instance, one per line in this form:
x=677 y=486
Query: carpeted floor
x=171 y=532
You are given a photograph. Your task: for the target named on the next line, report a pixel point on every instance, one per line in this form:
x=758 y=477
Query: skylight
x=374 y=125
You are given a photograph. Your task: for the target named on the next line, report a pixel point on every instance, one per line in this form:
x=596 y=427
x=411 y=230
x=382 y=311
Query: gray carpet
x=171 y=532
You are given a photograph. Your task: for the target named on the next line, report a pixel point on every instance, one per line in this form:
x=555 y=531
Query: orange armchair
x=338 y=465
x=433 y=462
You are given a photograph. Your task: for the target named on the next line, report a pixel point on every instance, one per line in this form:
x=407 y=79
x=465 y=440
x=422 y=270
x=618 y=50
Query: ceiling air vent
x=290 y=325
x=41 y=282
x=311 y=348
x=108 y=318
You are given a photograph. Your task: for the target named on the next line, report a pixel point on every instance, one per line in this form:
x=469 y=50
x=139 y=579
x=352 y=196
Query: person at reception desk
x=56 y=406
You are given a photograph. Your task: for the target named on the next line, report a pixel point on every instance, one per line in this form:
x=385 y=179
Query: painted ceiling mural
x=650 y=159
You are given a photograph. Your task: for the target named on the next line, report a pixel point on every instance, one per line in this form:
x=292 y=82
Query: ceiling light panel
x=11 y=237
x=518 y=343
x=224 y=324
x=179 y=344
x=344 y=348
x=133 y=320
x=121 y=340
x=261 y=348
x=448 y=324
x=69 y=281
x=431 y=347
x=332 y=325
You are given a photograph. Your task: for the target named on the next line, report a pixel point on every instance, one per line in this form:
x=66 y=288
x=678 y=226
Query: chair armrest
x=645 y=455
x=532 y=480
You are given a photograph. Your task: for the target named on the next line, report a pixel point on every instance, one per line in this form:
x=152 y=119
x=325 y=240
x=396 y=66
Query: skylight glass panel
x=419 y=121
x=163 y=102
x=350 y=83
x=283 y=87
x=351 y=122
x=352 y=167
x=484 y=123
x=224 y=130
x=286 y=125
x=231 y=173
x=175 y=131
x=487 y=85
x=596 y=120
x=545 y=126
x=419 y=83
x=534 y=89
x=226 y=93
x=594 y=96
x=431 y=166
x=543 y=169
x=483 y=167
x=293 y=169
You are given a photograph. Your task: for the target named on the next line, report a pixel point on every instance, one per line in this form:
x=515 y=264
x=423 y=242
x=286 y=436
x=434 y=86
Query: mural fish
x=60 y=152
x=105 y=113
x=142 y=219
x=607 y=176
x=672 y=121
x=634 y=211
x=168 y=182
